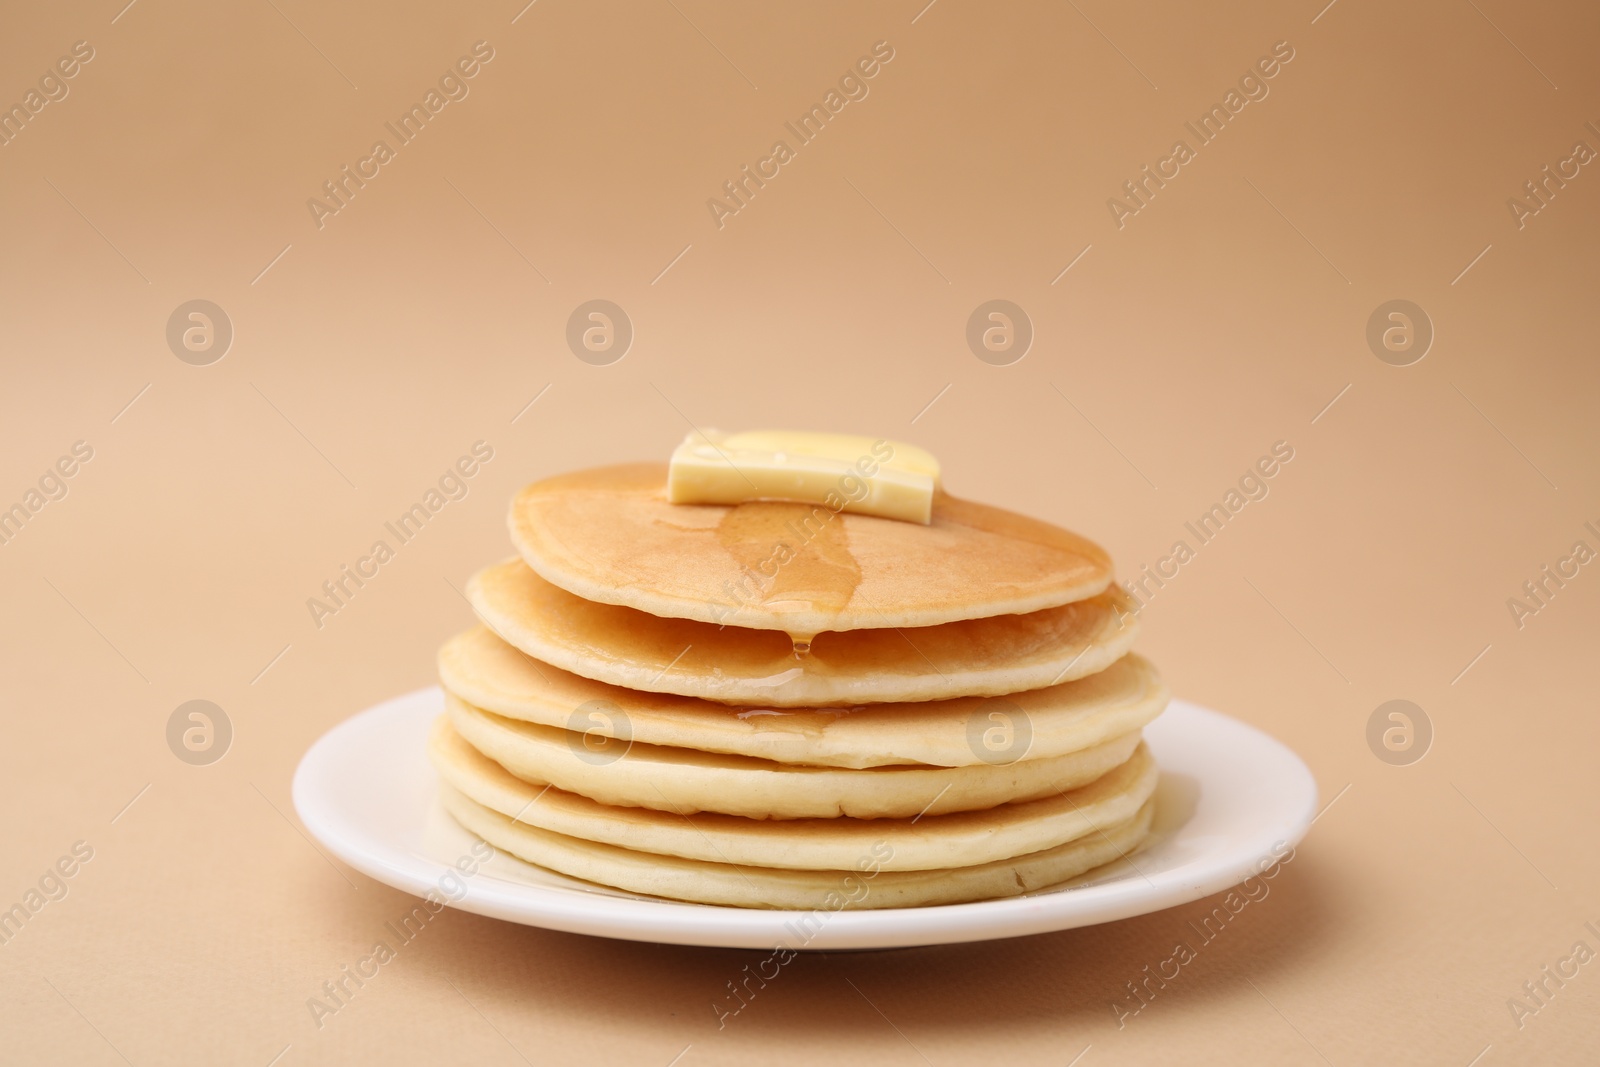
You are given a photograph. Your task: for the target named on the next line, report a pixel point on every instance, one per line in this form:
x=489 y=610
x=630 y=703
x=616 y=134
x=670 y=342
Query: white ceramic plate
x=1229 y=795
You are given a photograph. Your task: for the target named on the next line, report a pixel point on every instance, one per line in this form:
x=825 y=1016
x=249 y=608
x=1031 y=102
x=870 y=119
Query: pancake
x=930 y=843
x=766 y=887
x=609 y=535
x=629 y=648
x=487 y=673
x=685 y=782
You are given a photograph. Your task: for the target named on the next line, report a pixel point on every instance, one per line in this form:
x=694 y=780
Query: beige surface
x=609 y=534
x=1187 y=342
x=915 y=844
x=996 y=656
x=488 y=673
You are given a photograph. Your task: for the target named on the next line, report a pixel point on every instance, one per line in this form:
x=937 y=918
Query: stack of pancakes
x=774 y=705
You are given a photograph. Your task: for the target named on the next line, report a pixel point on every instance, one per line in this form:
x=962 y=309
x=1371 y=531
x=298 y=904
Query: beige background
x=1224 y=317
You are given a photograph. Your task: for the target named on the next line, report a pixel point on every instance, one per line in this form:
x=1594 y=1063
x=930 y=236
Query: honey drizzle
x=791 y=557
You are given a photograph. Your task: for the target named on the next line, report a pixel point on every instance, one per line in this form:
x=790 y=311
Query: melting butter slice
x=842 y=472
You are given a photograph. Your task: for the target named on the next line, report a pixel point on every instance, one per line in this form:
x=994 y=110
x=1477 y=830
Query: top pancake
x=609 y=535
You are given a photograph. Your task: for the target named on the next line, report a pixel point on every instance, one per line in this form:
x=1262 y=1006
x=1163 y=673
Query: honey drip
x=791 y=558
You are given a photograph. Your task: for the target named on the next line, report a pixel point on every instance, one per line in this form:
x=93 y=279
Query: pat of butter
x=842 y=472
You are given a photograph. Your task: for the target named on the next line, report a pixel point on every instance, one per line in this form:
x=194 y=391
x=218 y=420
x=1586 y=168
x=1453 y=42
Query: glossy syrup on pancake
x=609 y=535
x=820 y=576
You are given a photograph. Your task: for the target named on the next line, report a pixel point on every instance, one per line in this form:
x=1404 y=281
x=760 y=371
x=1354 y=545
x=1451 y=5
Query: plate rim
x=601 y=912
